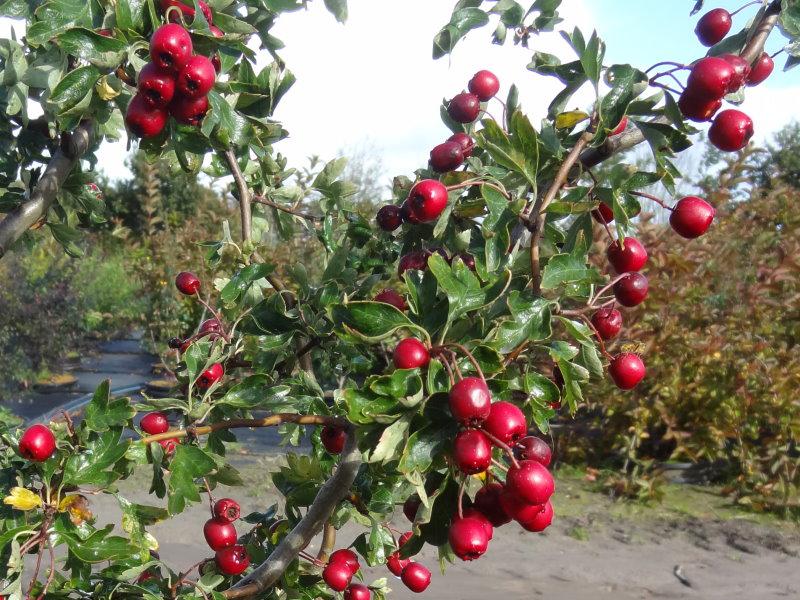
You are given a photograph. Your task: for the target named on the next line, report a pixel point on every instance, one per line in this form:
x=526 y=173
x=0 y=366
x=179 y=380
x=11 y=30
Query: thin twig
x=267 y=202
x=244 y=194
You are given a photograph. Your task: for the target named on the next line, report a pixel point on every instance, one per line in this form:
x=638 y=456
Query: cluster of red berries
x=175 y=83
x=338 y=573
x=155 y=423
x=713 y=77
x=37 y=443
x=220 y=534
x=415 y=576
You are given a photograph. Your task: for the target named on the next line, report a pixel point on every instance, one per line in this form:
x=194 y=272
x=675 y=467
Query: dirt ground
x=692 y=546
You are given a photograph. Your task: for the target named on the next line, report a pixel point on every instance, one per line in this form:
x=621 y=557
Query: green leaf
x=369 y=321
x=511 y=153
x=243 y=279
x=338 y=8
x=422 y=447
x=91 y=466
x=67 y=237
x=96 y=547
x=56 y=16
x=592 y=59
x=403 y=385
x=627 y=84
x=269 y=316
x=564 y=269
x=99 y=50
x=256 y=391
x=462 y=21
x=74 y=91
x=530 y=321
x=463 y=288
x=188 y=464
x=102 y=413
x=391 y=439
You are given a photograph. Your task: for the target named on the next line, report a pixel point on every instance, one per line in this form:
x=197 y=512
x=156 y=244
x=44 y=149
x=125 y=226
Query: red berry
x=447 y=157
x=206 y=10
x=337 y=575
x=232 y=560
x=540 y=521
x=741 y=70
x=210 y=326
x=517 y=508
x=410 y=353
x=154 y=423
x=227 y=510
x=427 y=199
x=397 y=564
x=468 y=538
x=333 y=438
x=534 y=448
x=474 y=513
x=389 y=296
x=530 y=481
x=468 y=260
x=403 y=539
x=603 y=213
x=37 y=443
x=215 y=60
x=104 y=33
x=761 y=69
x=210 y=376
x=197 y=77
x=629 y=257
x=389 y=217
x=487 y=500
x=698 y=108
x=631 y=290
x=691 y=217
x=623 y=125
x=506 y=422
x=346 y=557
x=219 y=534
x=472 y=451
x=464 y=108
x=189 y=111
x=627 y=370
x=466 y=142
x=357 y=591
x=187 y=283
x=407 y=213
x=411 y=506
x=713 y=26
x=413 y=261
x=731 y=130
x=416 y=577
x=470 y=401
x=171 y=47
x=156 y=86
x=169 y=445
x=185 y=346
x=710 y=78
x=607 y=322
x=485 y=85
x=143 y=120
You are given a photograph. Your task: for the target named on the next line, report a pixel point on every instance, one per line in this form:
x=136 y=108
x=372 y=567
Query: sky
x=371 y=84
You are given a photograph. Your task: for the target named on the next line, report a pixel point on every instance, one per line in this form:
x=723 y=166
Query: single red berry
x=413 y=261
x=403 y=539
x=698 y=108
x=185 y=346
x=216 y=31
x=472 y=452
x=389 y=217
x=761 y=69
x=629 y=257
x=470 y=401
x=447 y=157
x=468 y=538
x=189 y=111
x=197 y=77
x=713 y=26
x=357 y=591
x=333 y=438
x=210 y=376
x=416 y=577
x=485 y=85
x=187 y=283
x=346 y=557
x=169 y=445
x=540 y=521
x=219 y=534
x=156 y=86
x=741 y=70
x=464 y=108
x=468 y=260
x=691 y=217
x=407 y=213
x=631 y=290
x=603 y=213
x=607 y=322
x=232 y=560
x=410 y=353
x=487 y=500
x=530 y=481
x=390 y=296
x=154 y=423
x=171 y=47
x=534 y=448
x=215 y=60
x=506 y=422
x=210 y=326
x=397 y=564
x=710 y=78
x=411 y=506
x=517 y=508
x=337 y=576
x=627 y=370
x=427 y=199
x=731 y=130
x=206 y=10
x=623 y=125
x=37 y=443
x=467 y=143
x=143 y=120
x=227 y=510
x=106 y=32
x=474 y=513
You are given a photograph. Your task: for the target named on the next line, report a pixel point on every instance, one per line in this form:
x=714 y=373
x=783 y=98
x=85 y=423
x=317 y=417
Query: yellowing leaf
x=22 y=499
x=78 y=508
x=567 y=120
x=480 y=476
x=105 y=90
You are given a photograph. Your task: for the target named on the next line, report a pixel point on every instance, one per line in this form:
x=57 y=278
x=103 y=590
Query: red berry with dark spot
x=607 y=322
x=466 y=142
x=189 y=111
x=333 y=438
x=171 y=47
x=487 y=500
x=232 y=560
x=691 y=217
x=389 y=217
x=411 y=506
x=210 y=376
x=713 y=26
x=534 y=448
x=470 y=401
x=413 y=261
x=540 y=521
x=474 y=513
x=156 y=86
x=416 y=577
x=187 y=283
x=628 y=257
x=427 y=199
x=761 y=69
x=731 y=130
x=154 y=423
x=346 y=557
x=464 y=108
x=627 y=370
x=623 y=125
x=219 y=534
x=741 y=70
x=37 y=443
x=389 y=296
x=506 y=422
x=410 y=353
x=472 y=452
x=698 y=108
x=603 y=213
x=447 y=157
x=227 y=510
x=530 y=481
x=485 y=85
x=143 y=120
x=357 y=591
x=337 y=575
x=468 y=538
x=710 y=78
x=197 y=77
x=631 y=290
x=397 y=564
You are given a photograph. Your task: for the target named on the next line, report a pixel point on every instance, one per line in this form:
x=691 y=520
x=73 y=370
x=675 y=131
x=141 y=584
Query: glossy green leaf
x=102 y=412
x=369 y=321
x=91 y=466
x=188 y=464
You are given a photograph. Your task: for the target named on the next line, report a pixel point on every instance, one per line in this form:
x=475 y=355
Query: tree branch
x=19 y=220
x=328 y=542
x=244 y=194
x=755 y=46
x=286 y=209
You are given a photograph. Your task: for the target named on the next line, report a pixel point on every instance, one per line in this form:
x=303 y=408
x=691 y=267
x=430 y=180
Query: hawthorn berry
x=197 y=77
x=470 y=401
x=741 y=70
x=539 y=521
x=403 y=539
x=603 y=213
x=175 y=343
x=713 y=26
x=189 y=111
x=487 y=500
x=506 y=422
x=37 y=443
x=219 y=533
x=607 y=322
x=631 y=290
x=333 y=438
x=427 y=199
x=691 y=217
x=472 y=452
x=397 y=564
x=416 y=577
x=346 y=557
x=484 y=84
x=468 y=538
x=407 y=214
x=232 y=560
x=169 y=445
x=761 y=69
x=534 y=448
x=731 y=130
x=628 y=257
x=517 y=508
x=464 y=108
x=467 y=143
x=389 y=217
x=468 y=260
x=215 y=60
x=211 y=325
x=530 y=481
x=627 y=370
x=623 y=125
x=411 y=506
x=143 y=120
x=710 y=78
x=227 y=510
x=210 y=376
x=390 y=296
x=698 y=108
x=156 y=85
x=337 y=576
x=154 y=423
x=474 y=513
x=187 y=283
x=357 y=591
x=410 y=353
x=447 y=156
x=413 y=261
x=171 y=47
